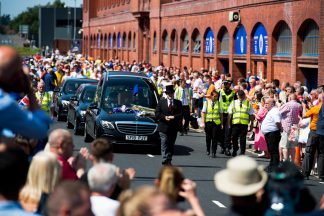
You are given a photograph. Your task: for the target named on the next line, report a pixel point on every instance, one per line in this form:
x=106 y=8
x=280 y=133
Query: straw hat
x=242 y=177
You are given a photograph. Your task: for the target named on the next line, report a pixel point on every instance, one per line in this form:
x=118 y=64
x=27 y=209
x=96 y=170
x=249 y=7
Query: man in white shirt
x=102 y=179
x=271 y=128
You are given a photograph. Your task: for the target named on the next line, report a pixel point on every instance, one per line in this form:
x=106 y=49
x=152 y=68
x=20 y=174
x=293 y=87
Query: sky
x=15 y=7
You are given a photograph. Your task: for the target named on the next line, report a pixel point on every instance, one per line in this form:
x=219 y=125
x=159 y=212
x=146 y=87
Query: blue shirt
x=28 y=124
x=49 y=82
x=10 y=208
x=320 y=122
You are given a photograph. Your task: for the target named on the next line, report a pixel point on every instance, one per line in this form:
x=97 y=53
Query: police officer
x=227 y=95
x=212 y=120
x=184 y=94
x=240 y=114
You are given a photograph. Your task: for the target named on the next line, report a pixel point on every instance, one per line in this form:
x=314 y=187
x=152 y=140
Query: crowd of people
x=40 y=174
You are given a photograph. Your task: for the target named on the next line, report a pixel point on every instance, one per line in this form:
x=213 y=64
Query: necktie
x=170 y=105
x=183 y=97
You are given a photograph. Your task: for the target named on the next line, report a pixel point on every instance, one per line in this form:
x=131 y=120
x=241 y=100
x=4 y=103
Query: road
x=190 y=155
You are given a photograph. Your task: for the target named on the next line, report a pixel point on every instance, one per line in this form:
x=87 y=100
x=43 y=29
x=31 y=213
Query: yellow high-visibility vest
x=226 y=100
x=46 y=102
x=212 y=113
x=178 y=95
x=241 y=113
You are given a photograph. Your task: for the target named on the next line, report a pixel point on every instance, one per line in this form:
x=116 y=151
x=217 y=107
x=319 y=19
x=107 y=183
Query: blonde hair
x=170 y=179
x=141 y=201
x=43 y=175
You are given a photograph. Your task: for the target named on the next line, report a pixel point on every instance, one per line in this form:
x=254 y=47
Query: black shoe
x=306 y=177
x=166 y=163
x=207 y=153
x=234 y=154
x=213 y=155
x=241 y=153
x=227 y=153
x=222 y=151
x=181 y=134
x=186 y=132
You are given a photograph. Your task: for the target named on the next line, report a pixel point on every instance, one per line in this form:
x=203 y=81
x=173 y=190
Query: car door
x=75 y=103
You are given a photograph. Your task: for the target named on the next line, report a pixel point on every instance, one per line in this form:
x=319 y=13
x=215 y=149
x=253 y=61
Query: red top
x=68 y=173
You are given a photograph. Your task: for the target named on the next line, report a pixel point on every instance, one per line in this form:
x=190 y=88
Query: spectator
x=320 y=133
x=102 y=180
x=13 y=170
x=43 y=175
x=33 y=123
x=243 y=180
x=61 y=144
x=70 y=198
x=271 y=128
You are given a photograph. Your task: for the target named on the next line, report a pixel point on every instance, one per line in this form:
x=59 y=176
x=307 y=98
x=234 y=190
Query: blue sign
x=240 y=41
x=119 y=41
x=210 y=42
x=260 y=41
x=110 y=41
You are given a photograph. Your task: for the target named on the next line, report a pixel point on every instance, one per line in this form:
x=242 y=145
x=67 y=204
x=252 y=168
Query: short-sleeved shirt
x=68 y=173
x=313 y=113
x=269 y=123
x=204 y=109
x=231 y=106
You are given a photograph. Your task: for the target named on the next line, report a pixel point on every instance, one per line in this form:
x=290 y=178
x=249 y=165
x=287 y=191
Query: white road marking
x=321 y=182
x=150 y=155
x=219 y=204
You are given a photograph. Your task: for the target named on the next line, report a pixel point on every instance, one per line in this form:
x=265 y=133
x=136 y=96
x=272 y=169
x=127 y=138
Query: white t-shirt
x=103 y=206
x=269 y=122
x=196 y=87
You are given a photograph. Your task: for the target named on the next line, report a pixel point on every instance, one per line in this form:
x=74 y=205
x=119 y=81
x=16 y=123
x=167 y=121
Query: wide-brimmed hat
x=242 y=177
x=169 y=89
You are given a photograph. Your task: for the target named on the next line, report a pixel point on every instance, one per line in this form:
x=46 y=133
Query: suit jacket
x=162 y=110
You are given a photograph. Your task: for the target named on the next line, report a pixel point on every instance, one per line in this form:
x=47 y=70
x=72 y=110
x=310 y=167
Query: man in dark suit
x=169 y=115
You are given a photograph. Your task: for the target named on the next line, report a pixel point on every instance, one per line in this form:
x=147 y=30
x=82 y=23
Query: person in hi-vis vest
x=44 y=98
x=240 y=113
x=184 y=94
x=226 y=97
x=212 y=121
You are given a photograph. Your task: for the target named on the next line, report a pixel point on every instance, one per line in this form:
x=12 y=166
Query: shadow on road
x=182 y=150
x=197 y=166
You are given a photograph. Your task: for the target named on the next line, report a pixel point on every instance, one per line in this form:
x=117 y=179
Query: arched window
x=154 y=41
x=196 y=41
x=98 y=41
x=310 y=40
x=165 y=41
x=224 y=42
x=260 y=40
x=114 y=41
x=134 y=41
x=129 y=40
x=174 y=41
x=284 y=40
x=240 y=40
x=209 y=42
x=119 y=41
x=124 y=40
x=184 y=41
x=110 y=42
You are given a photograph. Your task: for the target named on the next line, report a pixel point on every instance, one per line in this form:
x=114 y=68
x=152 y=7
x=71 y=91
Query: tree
x=5 y=19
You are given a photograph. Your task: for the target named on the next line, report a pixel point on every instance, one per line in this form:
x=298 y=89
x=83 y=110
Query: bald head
x=61 y=143
x=12 y=77
x=57 y=137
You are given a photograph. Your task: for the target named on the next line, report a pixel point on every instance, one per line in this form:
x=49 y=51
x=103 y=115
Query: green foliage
x=5 y=19
x=27 y=51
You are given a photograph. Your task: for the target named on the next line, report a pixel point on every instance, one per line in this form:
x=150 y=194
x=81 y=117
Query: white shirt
x=204 y=109
x=103 y=206
x=196 y=87
x=231 y=106
x=170 y=102
x=183 y=96
x=269 y=122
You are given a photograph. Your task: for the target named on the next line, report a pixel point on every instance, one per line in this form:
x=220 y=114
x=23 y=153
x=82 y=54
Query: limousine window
x=133 y=91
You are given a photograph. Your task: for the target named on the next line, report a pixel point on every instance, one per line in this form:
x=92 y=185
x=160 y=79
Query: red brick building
x=273 y=39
